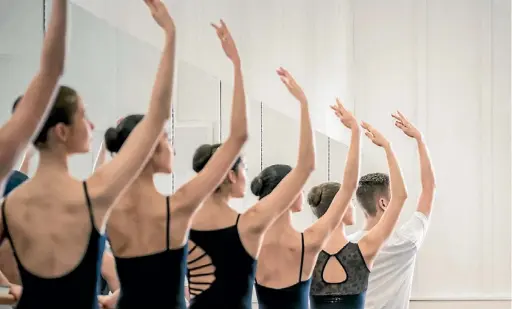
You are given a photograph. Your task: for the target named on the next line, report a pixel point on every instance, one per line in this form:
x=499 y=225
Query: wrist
x=237 y=64
x=419 y=139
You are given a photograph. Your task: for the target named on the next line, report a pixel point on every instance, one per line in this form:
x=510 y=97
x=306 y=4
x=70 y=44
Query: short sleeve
x=415 y=229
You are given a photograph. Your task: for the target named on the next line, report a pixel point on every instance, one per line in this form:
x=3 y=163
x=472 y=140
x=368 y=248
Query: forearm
x=54 y=44
x=239 y=126
x=397 y=185
x=352 y=165
x=306 y=158
x=426 y=170
x=160 y=106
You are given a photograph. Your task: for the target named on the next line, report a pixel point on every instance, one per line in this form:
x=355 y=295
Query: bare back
x=138 y=223
x=49 y=223
x=282 y=261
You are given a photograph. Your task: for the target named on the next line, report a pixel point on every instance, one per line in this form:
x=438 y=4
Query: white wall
x=445 y=64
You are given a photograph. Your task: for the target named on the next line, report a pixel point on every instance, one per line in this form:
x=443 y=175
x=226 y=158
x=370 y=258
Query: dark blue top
x=292 y=297
x=76 y=289
x=234 y=270
x=349 y=294
x=15 y=179
x=165 y=271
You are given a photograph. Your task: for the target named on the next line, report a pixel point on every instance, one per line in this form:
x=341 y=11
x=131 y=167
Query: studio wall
x=445 y=64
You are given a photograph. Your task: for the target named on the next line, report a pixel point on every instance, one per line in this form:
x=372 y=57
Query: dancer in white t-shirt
x=391 y=277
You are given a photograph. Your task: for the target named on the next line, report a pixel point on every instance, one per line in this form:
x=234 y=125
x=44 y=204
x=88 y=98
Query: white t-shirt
x=390 y=282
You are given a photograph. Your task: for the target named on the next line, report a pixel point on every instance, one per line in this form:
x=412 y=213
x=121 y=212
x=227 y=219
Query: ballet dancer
x=224 y=245
x=148 y=232
x=342 y=269
x=287 y=257
x=54 y=221
x=35 y=104
x=392 y=274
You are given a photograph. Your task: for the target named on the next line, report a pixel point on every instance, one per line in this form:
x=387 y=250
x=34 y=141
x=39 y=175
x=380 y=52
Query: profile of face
x=350 y=215
x=67 y=126
x=237 y=179
x=297 y=204
x=163 y=155
x=78 y=136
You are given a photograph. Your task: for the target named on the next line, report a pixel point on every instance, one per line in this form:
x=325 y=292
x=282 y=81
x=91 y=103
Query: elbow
x=308 y=166
x=401 y=195
x=241 y=136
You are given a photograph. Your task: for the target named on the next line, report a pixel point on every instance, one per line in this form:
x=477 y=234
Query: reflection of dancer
x=223 y=244
x=36 y=102
x=287 y=257
x=391 y=277
x=53 y=219
x=342 y=268
x=148 y=231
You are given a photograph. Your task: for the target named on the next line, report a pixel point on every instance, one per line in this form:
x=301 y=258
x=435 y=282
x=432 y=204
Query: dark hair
x=372 y=187
x=268 y=179
x=320 y=197
x=115 y=137
x=63 y=110
x=204 y=153
x=18 y=99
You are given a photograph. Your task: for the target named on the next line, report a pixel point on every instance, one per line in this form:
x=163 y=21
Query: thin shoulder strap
x=237 y=218
x=168 y=236
x=89 y=204
x=4 y=223
x=301 y=257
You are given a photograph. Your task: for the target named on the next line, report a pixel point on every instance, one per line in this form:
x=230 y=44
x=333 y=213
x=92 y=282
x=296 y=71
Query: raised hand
x=228 y=44
x=403 y=124
x=345 y=116
x=292 y=85
x=161 y=15
x=375 y=136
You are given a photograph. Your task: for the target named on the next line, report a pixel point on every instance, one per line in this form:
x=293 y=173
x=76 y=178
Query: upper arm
x=267 y=210
x=415 y=229
x=26 y=120
x=211 y=176
x=371 y=243
x=426 y=201
x=108 y=182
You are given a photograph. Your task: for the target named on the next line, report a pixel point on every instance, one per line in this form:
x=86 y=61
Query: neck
x=370 y=222
x=340 y=230
x=144 y=178
x=52 y=161
x=283 y=222
x=220 y=199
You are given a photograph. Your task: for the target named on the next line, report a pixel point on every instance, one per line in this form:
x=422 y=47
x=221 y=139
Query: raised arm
x=109 y=180
x=371 y=243
x=190 y=195
x=321 y=230
x=428 y=182
x=35 y=104
x=267 y=210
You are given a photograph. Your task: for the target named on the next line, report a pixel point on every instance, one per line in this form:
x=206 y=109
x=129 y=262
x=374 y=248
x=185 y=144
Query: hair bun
x=201 y=157
x=257 y=186
x=315 y=196
x=112 y=140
